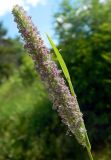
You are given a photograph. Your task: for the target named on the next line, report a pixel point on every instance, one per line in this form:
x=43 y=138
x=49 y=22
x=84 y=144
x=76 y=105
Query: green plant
x=64 y=100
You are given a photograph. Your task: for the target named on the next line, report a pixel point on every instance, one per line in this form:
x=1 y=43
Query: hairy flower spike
x=65 y=104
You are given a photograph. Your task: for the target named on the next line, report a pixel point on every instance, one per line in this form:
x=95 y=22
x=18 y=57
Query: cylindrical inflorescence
x=65 y=104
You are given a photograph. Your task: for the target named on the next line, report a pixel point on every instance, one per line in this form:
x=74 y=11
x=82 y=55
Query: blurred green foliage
x=29 y=128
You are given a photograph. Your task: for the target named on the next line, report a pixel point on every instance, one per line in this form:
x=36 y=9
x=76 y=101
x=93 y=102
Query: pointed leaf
x=62 y=64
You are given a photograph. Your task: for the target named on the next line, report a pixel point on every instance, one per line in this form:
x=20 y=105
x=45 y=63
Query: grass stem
x=89 y=153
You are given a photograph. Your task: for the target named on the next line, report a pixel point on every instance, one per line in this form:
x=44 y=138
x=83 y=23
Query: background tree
x=10 y=54
x=12 y=57
x=84 y=34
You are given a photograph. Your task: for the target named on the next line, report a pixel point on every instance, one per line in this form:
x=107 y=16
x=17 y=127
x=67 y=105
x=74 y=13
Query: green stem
x=88 y=147
x=89 y=153
x=88 y=142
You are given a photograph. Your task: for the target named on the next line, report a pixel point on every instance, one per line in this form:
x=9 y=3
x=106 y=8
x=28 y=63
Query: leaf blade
x=62 y=64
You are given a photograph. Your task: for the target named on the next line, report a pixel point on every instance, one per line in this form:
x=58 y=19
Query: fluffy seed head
x=65 y=104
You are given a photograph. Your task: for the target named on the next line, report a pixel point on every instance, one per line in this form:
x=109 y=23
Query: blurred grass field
x=24 y=122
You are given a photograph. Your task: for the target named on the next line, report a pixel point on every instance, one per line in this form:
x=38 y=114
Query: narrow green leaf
x=62 y=64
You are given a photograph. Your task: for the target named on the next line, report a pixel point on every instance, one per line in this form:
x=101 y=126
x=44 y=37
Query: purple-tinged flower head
x=65 y=104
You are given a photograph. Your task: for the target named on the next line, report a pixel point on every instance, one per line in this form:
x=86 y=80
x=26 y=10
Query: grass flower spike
x=63 y=101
